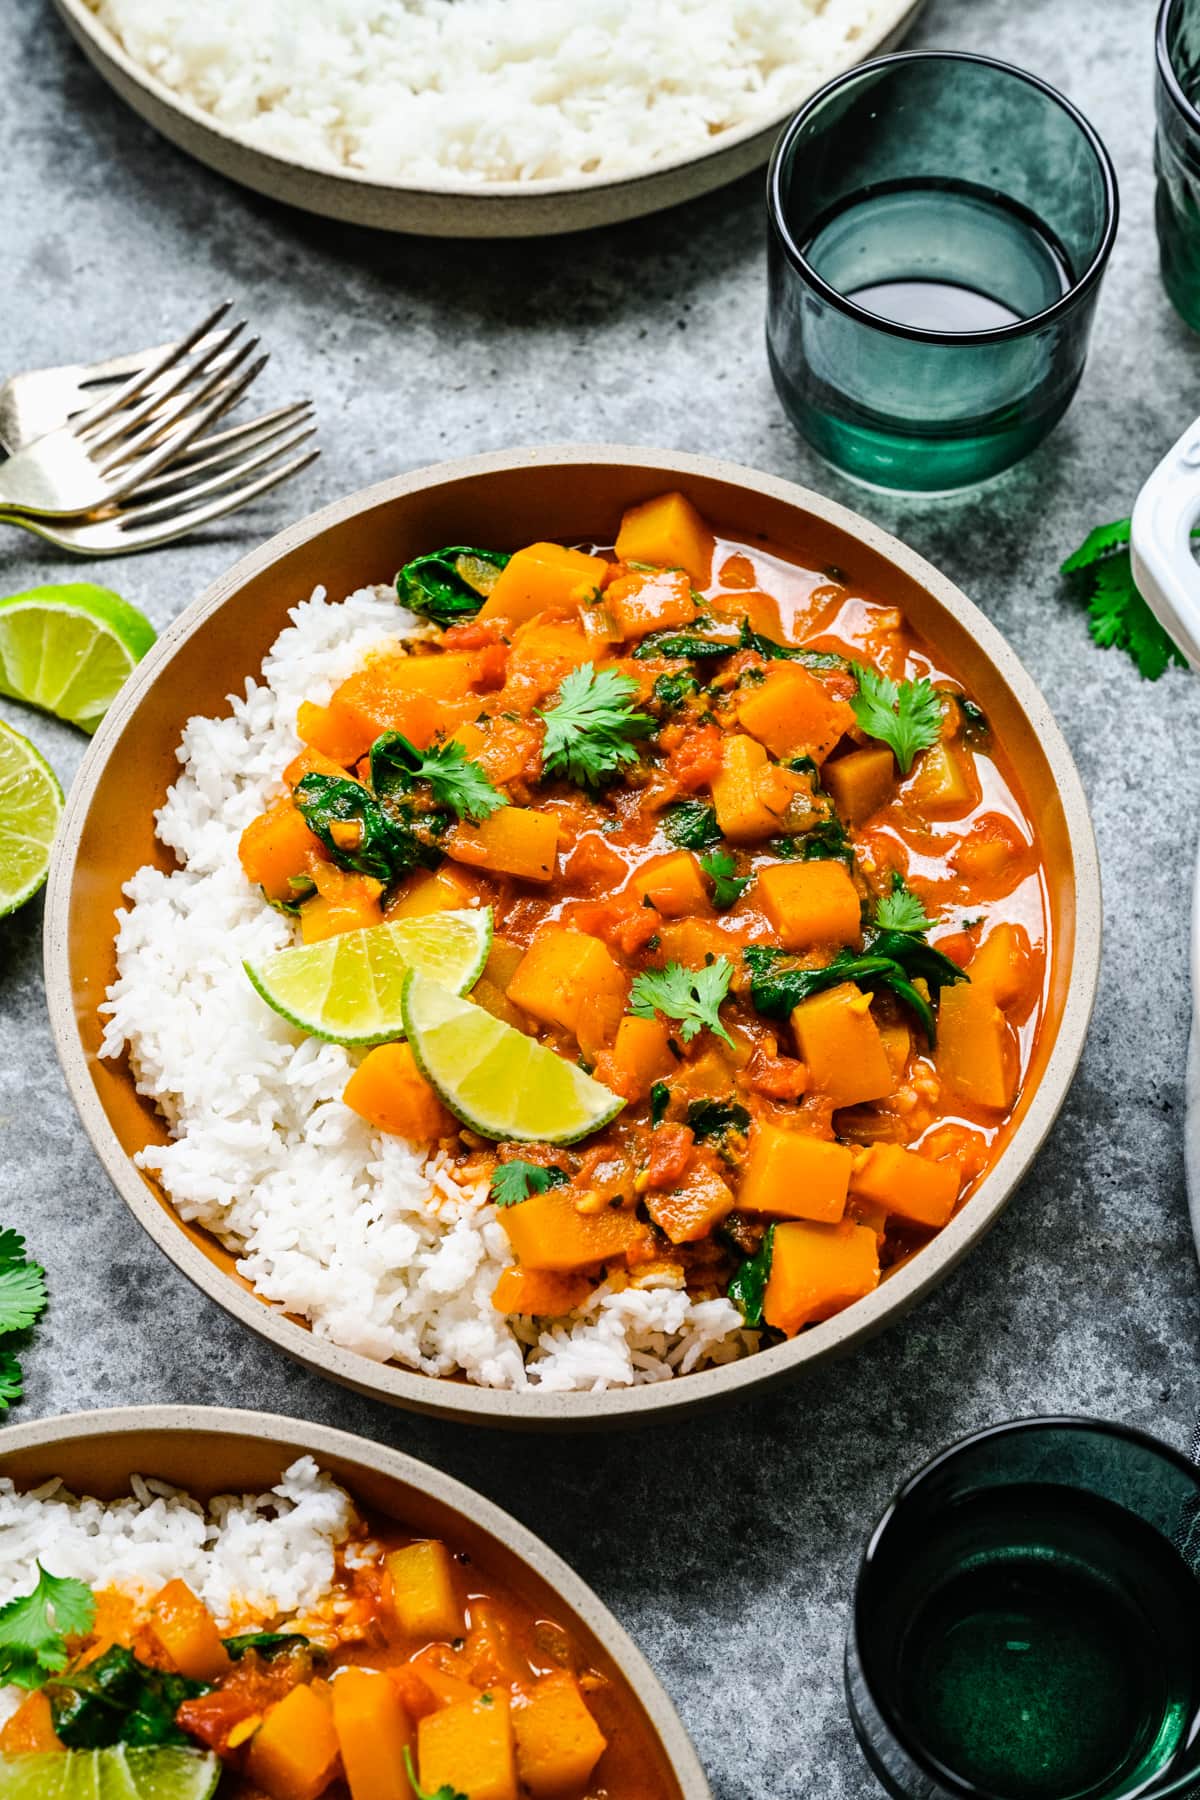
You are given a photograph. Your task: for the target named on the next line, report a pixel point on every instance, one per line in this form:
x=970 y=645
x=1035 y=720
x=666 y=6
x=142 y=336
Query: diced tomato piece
x=697 y=758
x=671 y=1151
x=473 y=634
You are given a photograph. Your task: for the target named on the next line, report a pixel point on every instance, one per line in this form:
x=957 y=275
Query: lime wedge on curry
x=495 y=1079
x=31 y=802
x=68 y=649
x=163 y=1773
x=349 y=989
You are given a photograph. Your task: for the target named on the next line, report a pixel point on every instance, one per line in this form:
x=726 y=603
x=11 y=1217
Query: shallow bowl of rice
x=251 y=1509
x=478 y=118
x=223 y=1129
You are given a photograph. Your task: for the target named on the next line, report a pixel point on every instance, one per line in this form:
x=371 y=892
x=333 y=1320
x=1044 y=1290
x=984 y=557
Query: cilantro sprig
x=904 y=715
x=1118 y=617
x=454 y=780
x=514 y=1181
x=34 y=1628
x=22 y=1302
x=728 y=885
x=691 y=996
x=592 y=727
x=901 y=910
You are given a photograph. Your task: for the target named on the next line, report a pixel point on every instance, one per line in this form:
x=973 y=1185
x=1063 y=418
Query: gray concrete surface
x=726 y=1545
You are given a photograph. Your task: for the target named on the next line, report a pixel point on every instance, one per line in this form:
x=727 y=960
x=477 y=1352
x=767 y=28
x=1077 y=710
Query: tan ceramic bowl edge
x=555 y=474
x=98 y=1451
x=493 y=209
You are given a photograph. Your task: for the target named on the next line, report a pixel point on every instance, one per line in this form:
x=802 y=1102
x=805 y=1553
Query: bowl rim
x=897 y=16
x=530 y=1408
x=326 y=1441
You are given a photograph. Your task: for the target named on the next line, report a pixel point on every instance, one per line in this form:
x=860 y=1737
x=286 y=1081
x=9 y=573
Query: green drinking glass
x=1177 y=155
x=1026 y=1623
x=939 y=227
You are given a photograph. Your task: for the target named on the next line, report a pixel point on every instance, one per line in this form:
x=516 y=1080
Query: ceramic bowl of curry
x=523 y=1630
x=867 y=1154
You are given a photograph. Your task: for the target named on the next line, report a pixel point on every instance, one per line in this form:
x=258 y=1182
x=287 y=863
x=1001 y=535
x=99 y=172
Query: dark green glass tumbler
x=1026 y=1623
x=939 y=225
x=1177 y=155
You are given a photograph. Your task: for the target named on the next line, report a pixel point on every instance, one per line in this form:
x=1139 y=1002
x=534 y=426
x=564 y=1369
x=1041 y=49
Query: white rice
x=352 y=1229
x=437 y=92
x=254 y=1559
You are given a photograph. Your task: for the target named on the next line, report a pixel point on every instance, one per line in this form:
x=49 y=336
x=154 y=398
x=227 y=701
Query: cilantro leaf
x=901 y=910
x=904 y=715
x=22 y=1295
x=1118 y=617
x=514 y=1181
x=728 y=885
x=749 y=1285
x=11 y=1381
x=1097 y=544
x=34 y=1628
x=691 y=996
x=445 y=1792
x=588 y=730
x=12 y=1247
x=454 y=780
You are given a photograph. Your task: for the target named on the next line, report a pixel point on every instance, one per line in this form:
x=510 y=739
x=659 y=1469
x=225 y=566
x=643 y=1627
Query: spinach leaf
x=269 y=1643
x=692 y=824
x=749 y=1285
x=688 y=644
x=449 y=585
x=660 y=1099
x=918 y=959
x=749 y=639
x=119 y=1700
x=775 y=991
x=673 y=691
x=388 y=846
x=714 y=1118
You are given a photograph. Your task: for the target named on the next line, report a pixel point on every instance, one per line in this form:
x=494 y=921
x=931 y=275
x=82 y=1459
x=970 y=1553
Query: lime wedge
x=494 y=1078
x=68 y=649
x=164 y=1773
x=349 y=988
x=31 y=802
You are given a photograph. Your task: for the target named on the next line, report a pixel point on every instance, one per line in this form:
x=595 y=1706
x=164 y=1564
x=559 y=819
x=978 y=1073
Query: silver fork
x=130 y=435
x=236 y=466
x=43 y=400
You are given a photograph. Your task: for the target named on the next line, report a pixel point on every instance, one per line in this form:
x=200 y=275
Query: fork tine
x=170 y=356
x=164 y=410
x=215 y=484
x=123 y=423
x=191 y=518
x=190 y=425
x=224 y=447
x=169 y=431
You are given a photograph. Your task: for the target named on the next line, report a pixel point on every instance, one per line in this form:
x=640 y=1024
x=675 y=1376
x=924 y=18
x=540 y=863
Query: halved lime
x=31 y=802
x=349 y=988
x=68 y=649
x=494 y=1078
x=163 y=1773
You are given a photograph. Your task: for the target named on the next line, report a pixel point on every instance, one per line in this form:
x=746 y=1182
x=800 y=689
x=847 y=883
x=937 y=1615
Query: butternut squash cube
x=976 y=1054
x=558 y=1741
x=373 y=1732
x=424 y=1602
x=568 y=978
x=641 y=1055
x=791 y=1175
x=691 y=1210
x=183 y=1627
x=669 y=533
x=650 y=600
x=276 y=848
x=817 y=1270
x=793 y=714
x=515 y=841
x=673 y=885
x=811 y=904
x=418 y=695
x=468 y=1748
x=544 y=652
x=433 y=891
x=325 y=731
x=1003 y=964
x=312 y=762
x=751 y=794
x=542 y=576
x=908 y=1184
x=29 y=1731
x=389 y=1091
x=840 y=1043
x=861 y=782
x=342 y=902
x=294 y=1752
x=539 y=1294
x=548 y=1232
x=940 y=785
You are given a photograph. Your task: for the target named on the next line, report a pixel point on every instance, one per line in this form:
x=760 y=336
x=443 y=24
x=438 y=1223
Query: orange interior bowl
x=510 y=498
x=214 y=1450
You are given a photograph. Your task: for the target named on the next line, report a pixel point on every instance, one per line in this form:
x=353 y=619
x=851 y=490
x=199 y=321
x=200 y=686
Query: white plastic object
x=1160 y=544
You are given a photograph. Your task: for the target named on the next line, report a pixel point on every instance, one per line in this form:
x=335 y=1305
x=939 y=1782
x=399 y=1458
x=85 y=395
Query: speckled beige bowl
x=508 y=499
x=494 y=209
x=211 y=1450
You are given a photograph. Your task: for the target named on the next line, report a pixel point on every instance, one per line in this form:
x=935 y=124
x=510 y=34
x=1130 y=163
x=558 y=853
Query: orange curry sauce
x=856 y=1139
